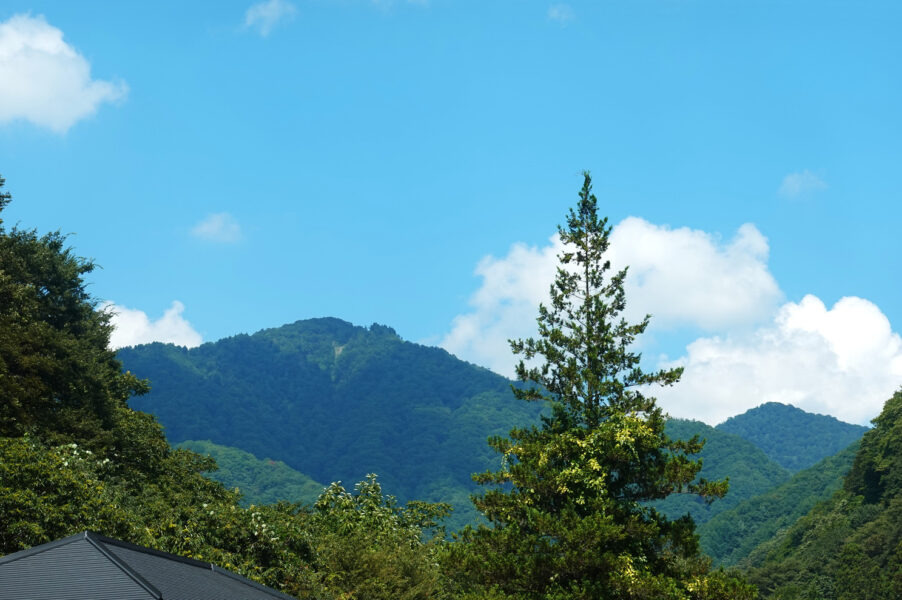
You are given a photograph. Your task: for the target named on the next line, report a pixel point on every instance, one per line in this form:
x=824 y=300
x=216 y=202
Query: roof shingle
x=89 y=566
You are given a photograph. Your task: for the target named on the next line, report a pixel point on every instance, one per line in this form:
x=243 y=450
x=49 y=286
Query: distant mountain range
x=724 y=456
x=335 y=402
x=849 y=546
x=288 y=409
x=733 y=534
x=260 y=481
x=791 y=437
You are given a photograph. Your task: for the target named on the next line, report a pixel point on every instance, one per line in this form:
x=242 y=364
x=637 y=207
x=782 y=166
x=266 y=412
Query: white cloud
x=689 y=277
x=796 y=185
x=218 y=227
x=845 y=362
x=132 y=327
x=562 y=13
x=683 y=277
x=264 y=16
x=44 y=80
x=504 y=306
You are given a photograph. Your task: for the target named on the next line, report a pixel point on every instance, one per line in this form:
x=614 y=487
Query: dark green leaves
x=568 y=508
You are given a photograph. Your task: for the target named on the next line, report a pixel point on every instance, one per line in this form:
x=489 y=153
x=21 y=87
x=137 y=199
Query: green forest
x=333 y=461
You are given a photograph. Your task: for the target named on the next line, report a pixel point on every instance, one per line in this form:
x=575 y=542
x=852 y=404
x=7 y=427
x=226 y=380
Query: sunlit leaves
x=568 y=507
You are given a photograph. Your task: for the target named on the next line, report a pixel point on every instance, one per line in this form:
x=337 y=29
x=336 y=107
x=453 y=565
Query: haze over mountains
x=333 y=401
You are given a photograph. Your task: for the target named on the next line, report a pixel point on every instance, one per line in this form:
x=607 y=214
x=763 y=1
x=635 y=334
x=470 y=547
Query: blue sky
x=380 y=161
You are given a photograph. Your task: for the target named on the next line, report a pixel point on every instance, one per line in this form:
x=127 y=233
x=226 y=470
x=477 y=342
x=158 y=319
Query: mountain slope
x=260 y=481
x=849 y=547
x=750 y=471
x=731 y=535
x=336 y=402
x=791 y=437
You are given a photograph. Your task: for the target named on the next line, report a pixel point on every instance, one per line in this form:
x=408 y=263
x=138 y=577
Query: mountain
x=850 y=546
x=750 y=471
x=731 y=535
x=336 y=401
x=791 y=437
x=260 y=481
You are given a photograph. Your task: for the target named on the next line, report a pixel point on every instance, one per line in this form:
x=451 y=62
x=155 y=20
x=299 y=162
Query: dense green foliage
x=260 y=481
x=73 y=456
x=369 y=547
x=731 y=535
x=57 y=376
x=567 y=510
x=850 y=547
x=791 y=437
x=724 y=456
x=576 y=509
x=336 y=402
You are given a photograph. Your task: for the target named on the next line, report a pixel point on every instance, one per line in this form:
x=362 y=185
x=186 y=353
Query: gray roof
x=89 y=566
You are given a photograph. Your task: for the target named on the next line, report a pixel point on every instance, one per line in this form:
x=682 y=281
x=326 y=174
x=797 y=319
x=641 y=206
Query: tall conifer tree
x=568 y=508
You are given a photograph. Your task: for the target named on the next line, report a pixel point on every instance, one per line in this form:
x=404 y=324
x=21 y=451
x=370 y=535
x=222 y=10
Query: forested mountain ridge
x=724 y=455
x=791 y=437
x=337 y=401
x=74 y=456
x=259 y=481
x=730 y=536
x=850 y=546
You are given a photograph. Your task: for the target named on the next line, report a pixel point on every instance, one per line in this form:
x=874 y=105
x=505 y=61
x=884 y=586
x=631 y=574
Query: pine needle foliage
x=568 y=508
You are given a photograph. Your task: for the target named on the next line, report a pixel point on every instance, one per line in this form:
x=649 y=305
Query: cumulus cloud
x=218 y=227
x=264 y=16
x=504 y=306
x=689 y=277
x=44 y=80
x=682 y=277
x=132 y=327
x=796 y=185
x=560 y=12
x=845 y=361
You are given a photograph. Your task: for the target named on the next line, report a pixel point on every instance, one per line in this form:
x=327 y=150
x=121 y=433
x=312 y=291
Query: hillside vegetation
x=791 y=437
x=731 y=535
x=724 y=455
x=335 y=402
x=259 y=481
x=849 y=547
x=75 y=456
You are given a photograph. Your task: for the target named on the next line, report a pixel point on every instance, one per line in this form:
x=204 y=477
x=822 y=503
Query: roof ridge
x=98 y=541
x=107 y=548
x=153 y=551
x=189 y=561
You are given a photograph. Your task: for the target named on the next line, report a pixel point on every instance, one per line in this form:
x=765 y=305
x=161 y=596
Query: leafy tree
x=50 y=492
x=724 y=455
x=369 y=547
x=58 y=378
x=568 y=508
x=74 y=456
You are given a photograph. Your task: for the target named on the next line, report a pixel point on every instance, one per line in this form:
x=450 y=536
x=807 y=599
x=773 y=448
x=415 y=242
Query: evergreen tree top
x=588 y=366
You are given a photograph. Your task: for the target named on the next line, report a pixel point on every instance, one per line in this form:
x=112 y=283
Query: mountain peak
x=792 y=437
